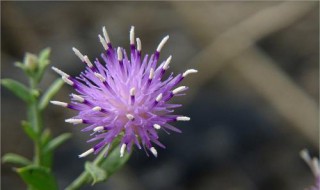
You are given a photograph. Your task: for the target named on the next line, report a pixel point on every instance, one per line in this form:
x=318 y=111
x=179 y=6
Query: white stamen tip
x=105 y=34
x=166 y=64
x=132 y=91
x=183 y=118
x=189 y=71
x=103 y=42
x=97 y=129
x=315 y=166
x=157 y=126
x=159 y=97
x=87 y=60
x=74 y=121
x=132 y=35
x=119 y=54
x=77 y=98
x=151 y=75
x=138 y=44
x=68 y=81
x=63 y=74
x=313 y=163
x=154 y=151
x=163 y=41
x=179 y=89
x=97 y=108
x=122 y=149
x=86 y=153
x=78 y=53
x=58 y=103
x=100 y=77
x=304 y=154
x=130 y=116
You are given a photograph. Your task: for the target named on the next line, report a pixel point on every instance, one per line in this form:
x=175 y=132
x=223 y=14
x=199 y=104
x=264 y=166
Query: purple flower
x=125 y=97
x=314 y=165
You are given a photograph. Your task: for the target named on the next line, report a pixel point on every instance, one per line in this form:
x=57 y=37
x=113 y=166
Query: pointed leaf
x=47 y=159
x=97 y=173
x=57 y=141
x=114 y=162
x=24 y=68
x=52 y=90
x=46 y=156
x=20 y=65
x=15 y=159
x=45 y=137
x=44 y=55
x=43 y=61
x=29 y=130
x=19 y=89
x=37 y=177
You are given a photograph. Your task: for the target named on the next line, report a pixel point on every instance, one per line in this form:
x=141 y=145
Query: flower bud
x=31 y=62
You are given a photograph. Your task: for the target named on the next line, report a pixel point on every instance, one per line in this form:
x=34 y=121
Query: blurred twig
x=298 y=108
x=241 y=36
x=283 y=94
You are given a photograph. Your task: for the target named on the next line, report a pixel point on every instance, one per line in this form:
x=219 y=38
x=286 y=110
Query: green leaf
x=29 y=130
x=44 y=55
x=23 y=67
x=49 y=146
x=20 y=65
x=44 y=61
x=46 y=156
x=57 y=141
x=97 y=173
x=19 y=89
x=38 y=177
x=15 y=159
x=113 y=162
x=47 y=96
x=45 y=137
x=47 y=159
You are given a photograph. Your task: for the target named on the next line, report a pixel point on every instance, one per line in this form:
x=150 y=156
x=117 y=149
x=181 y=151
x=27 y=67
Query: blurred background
x=253 y=105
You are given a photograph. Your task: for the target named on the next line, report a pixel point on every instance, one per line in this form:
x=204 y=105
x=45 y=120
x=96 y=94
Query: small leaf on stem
x=38 y=177
x=18 y=89
x=15 y=159
x=29 y=130
x=44 y=54
x=43 y=62
x=45 y=137
x=20 y=65
x=57 y=141
x=97 y=173
x=52 y=90
x=113 y=162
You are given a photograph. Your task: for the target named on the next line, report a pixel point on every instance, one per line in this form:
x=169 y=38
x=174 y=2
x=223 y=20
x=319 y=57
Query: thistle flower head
x=125 y=96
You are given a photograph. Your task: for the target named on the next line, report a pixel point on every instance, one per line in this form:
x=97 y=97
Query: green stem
x=36 y=123
x=84 y=177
